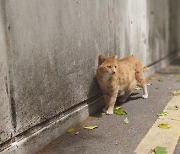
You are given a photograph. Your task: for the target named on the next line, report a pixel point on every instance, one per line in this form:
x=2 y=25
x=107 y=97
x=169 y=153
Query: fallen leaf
x=160 y=79
x=119 y=111
x=76 y=133
x=70 y=130
x=162 y=114
x=175 y=107
x=117 y=107
x=160 y=150
x=126 y=121
x=148 y=84
x=90 y=127
x=137 y=87
x=164 y=126
x=176 y=92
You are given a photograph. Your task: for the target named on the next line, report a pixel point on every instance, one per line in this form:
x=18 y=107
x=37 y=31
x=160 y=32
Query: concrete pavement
x=114 y=136
x=163 y=137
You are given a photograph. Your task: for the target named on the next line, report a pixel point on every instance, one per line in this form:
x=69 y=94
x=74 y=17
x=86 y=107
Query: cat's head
x=108 y=65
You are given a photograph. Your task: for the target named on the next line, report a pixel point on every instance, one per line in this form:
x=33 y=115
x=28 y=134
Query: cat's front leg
x=106 y=99
x=112 y=101
x=126 y=95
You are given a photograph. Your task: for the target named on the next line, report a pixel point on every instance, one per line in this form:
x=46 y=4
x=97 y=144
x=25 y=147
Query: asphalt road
x=113 y=136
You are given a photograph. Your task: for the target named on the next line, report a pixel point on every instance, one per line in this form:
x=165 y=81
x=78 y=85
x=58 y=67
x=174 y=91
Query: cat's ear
x=115 y=56
x=101 y=59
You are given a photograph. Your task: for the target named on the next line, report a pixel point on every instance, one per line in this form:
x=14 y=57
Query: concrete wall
x=49 y=50
x=6 y=128
x=178 y=25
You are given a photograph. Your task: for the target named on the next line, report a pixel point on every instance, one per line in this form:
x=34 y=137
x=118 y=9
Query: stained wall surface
x=6 y=128
x=52 y=49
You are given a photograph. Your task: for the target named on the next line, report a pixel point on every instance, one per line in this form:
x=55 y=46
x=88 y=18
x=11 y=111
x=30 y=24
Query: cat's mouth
x=113 y=73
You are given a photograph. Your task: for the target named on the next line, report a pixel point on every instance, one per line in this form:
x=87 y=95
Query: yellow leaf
x=137 y=88
x=162 y=114
x=70 y=130
x=148 y=84
x=176 y=92
x=126 y=121
x=90 y=127
x=164 y=126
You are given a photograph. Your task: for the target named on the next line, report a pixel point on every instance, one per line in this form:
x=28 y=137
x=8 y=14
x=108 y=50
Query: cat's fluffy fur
x=115 y=76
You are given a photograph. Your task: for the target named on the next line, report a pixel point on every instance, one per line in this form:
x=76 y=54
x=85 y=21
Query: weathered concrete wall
x=53 y=46
x=5 y=108
x=158 y=13
x=174 y=19
x=178 y=25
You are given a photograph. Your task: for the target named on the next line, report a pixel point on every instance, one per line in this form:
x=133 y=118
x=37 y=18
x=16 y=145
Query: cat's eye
x=115 y=66
x=108 y=66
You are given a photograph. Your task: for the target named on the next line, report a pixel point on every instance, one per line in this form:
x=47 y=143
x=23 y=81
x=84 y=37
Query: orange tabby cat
x=115 y=76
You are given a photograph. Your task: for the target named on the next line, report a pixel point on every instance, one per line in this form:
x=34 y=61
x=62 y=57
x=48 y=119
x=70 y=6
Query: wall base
x=36 y=141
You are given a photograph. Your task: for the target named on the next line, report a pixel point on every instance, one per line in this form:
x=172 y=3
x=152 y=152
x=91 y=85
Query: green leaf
x=164 y=126
x=162 y=114
x=70 y=130
x=137 y=87
x=175 y=107
x=119 y=111
x=126 y=121
x=160 y=150
x=176 y=92
x=90 y=127
x=117 y=107
x=160 y=79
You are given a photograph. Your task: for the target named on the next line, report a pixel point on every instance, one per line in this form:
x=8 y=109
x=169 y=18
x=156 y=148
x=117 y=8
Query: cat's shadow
x=132 y=97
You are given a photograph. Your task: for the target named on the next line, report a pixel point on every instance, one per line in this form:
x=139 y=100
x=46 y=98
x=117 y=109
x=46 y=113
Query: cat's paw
x=108 y=112
x=144 y=96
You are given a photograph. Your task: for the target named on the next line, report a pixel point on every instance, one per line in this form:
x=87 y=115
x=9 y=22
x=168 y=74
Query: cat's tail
x=145 y=69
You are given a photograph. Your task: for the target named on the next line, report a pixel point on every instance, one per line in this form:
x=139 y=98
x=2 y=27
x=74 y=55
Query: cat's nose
x=113 y=72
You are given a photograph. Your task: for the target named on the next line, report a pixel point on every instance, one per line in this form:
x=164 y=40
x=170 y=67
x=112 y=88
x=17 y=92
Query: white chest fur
x=106 y=77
